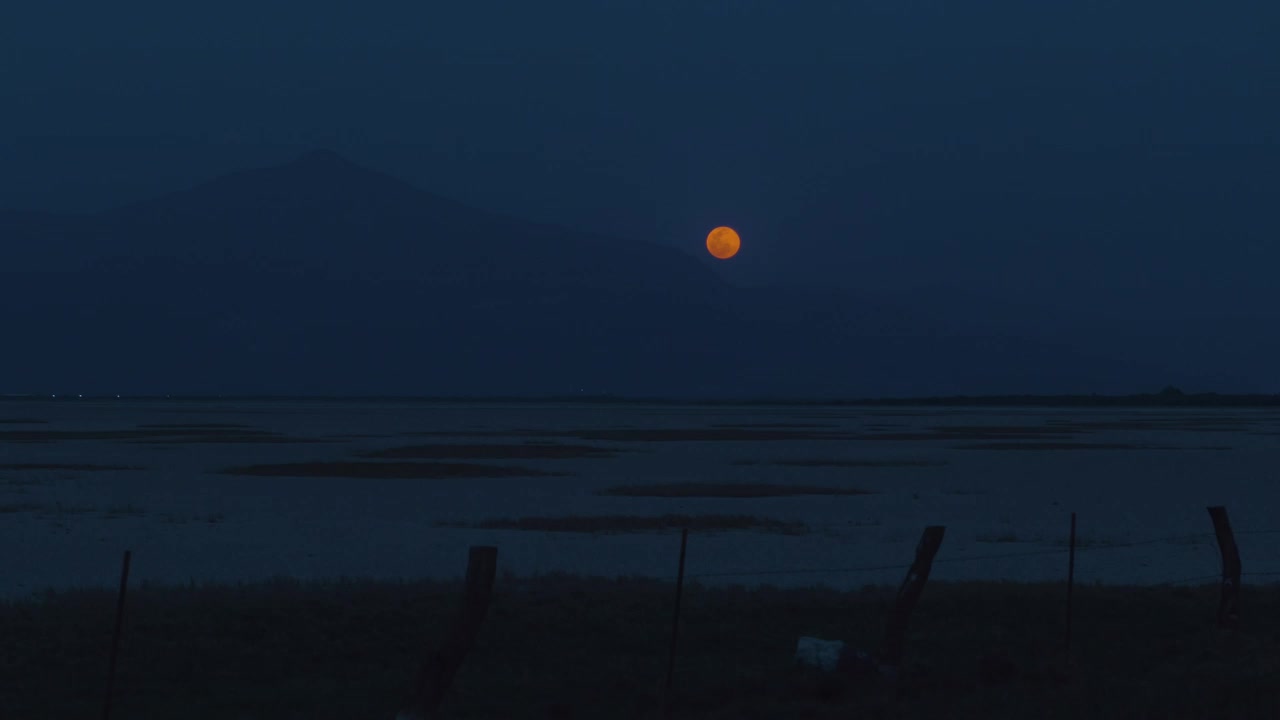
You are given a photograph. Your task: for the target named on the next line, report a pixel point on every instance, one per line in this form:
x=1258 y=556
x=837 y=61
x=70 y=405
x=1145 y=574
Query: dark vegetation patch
x=616 y=524
x=73 y=467
x=727 y=490
x=1060 y=446
x=807 y=426
x=387 y=470
x=839 y=462
x=354 y=436
x=974 y=432
x=512 y=433
x=527 y=451
x=717 y=434
x=235 y=439
x=597 y=648
x=967 y=430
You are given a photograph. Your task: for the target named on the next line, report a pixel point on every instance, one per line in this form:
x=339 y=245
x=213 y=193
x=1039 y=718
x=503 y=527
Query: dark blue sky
x=1116 y=158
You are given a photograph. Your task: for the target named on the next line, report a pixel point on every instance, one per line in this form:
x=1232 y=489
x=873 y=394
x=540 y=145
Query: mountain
x=323 y=277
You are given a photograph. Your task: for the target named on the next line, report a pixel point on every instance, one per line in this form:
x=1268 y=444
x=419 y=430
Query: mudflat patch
x=713 y=434
x=176 y=435
x=195 y=426
x=615 y=524
x=840 y=462
x=387 y=470
x=736 y=433
x=775 y=426
x=1064 y=429
x=527 y=451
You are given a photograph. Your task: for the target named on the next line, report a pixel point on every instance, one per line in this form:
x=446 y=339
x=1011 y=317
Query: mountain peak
x=318 y=182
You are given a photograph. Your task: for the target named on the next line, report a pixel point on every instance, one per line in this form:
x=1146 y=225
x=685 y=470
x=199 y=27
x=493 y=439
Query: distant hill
x=320 y=277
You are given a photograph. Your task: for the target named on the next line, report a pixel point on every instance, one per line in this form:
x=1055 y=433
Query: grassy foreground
x=569 y=647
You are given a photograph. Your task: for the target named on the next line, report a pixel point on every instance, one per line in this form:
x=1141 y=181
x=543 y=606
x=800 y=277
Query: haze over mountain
x=323 y=277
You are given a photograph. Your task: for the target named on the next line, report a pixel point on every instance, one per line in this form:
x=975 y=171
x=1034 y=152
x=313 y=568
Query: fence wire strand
x=800 y=571
x=903 y=567
x=1199 y=578
x=1081 y=546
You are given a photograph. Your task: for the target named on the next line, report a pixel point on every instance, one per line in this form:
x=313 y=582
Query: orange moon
x=723 y=242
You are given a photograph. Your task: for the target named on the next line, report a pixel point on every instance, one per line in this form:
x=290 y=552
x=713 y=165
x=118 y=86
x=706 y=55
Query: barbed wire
x=874 y=568
x=1081 y=544
x=1000 y=556
x=866 y=524
x=903 y=567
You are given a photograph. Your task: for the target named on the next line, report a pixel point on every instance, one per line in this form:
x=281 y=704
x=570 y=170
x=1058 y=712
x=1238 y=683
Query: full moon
x=723 y=242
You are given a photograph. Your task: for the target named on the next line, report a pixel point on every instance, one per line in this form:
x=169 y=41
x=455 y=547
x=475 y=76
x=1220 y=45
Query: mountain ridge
x=322 y=276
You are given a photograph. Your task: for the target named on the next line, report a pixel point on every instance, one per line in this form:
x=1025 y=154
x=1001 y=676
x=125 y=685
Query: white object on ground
x=819 y=653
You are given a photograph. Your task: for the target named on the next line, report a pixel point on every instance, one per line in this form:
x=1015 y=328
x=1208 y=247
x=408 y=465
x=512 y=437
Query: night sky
x=1091 y=173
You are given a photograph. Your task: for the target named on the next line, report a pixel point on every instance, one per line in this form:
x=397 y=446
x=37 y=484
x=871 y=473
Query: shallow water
x=1003 y=482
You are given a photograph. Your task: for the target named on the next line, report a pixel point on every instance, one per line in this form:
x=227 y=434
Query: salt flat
x=227 y=491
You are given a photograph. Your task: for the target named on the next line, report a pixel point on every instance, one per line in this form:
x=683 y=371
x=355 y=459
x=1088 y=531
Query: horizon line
x=1163 y=398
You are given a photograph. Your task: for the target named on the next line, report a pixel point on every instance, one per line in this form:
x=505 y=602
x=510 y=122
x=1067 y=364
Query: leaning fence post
x=115 y=635
x=436 y=676
x=908 y=594
x=1229 y=606
x=675 y=625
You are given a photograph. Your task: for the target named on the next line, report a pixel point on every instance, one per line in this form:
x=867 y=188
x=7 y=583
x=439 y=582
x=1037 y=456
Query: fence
x=442 y=664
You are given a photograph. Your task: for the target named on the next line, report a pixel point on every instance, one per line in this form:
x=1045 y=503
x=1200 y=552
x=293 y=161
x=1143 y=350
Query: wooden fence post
x=675 y=625
x=115 y=636
x=436 y=676
x=908 y=594
x=1229 y=606
x=1071 y=580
